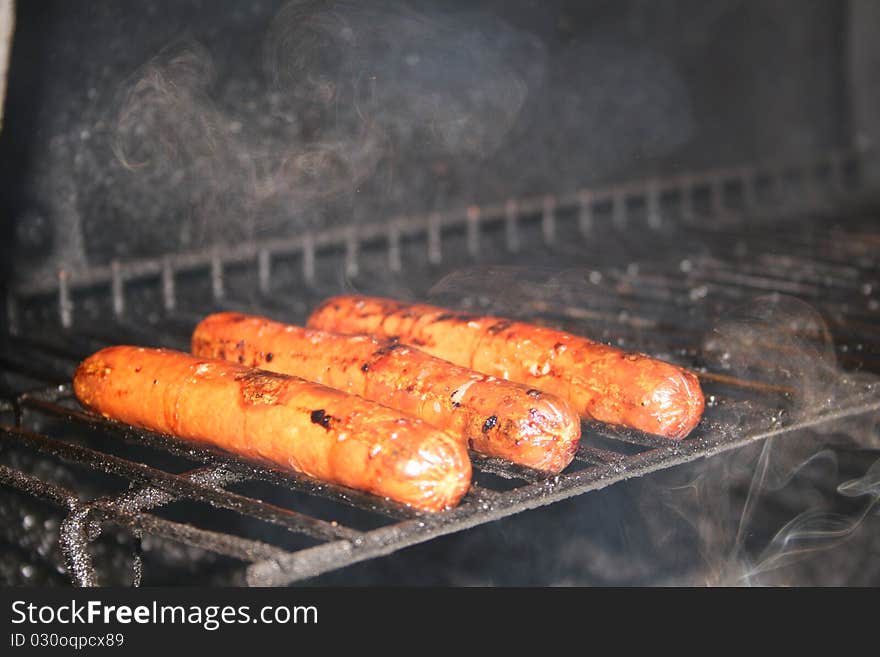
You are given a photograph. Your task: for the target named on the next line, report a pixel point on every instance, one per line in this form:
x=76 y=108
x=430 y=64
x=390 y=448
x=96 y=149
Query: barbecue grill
x=653 y=264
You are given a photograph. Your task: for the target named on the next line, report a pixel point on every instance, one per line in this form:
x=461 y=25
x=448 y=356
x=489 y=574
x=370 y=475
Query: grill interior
x=719 y=239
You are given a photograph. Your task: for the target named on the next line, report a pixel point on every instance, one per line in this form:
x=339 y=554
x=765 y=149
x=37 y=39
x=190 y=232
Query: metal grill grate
x=662 y=305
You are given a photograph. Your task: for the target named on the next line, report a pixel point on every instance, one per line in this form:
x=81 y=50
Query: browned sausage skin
x=493 y=416
x=282 y=420
x=603 y=383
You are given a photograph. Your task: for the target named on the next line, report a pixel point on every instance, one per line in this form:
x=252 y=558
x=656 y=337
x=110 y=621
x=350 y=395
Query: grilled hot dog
x=493 y=416
x=281 y=420
x=603 y=383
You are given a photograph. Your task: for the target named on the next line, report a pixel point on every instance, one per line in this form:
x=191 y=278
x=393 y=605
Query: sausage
x=281 y=420
x=493 y=416
x=603 y=383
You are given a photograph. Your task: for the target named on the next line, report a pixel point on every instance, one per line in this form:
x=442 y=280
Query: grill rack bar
x=178 y=486
x=210 y=456
x=827 y=169
x=595 y=467
x=480 y=505
x=329 y=556
x=75 y=535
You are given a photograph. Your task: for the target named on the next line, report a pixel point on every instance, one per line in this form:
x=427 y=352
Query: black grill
x=718 y=239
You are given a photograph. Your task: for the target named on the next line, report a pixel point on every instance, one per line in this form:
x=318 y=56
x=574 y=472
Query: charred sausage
x=281 y=420
x=493 y=416
x=603 y=383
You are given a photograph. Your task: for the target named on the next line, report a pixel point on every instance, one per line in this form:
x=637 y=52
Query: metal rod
x=511 y=230
x=394 y=260
x=351 y=252
x=585 y=212
x=26 y=483
x=835 y=162
x=146 y=267
x=264 y=271
x=505 y=469
x=652 y=205
x=244 y=549
x=435 y=250
x=329 y=556
x=65 y=303
x=47 y=402
x=618 y=210
x=473 y=231
x=74 y=541
x=686 y=190
x=548 y=220
x=217 y=286
x=169 y=299
x=117 y=289
x=717 y=196
x=308 y=258
x=747 y=188
x=179 y=486
x=597 y=456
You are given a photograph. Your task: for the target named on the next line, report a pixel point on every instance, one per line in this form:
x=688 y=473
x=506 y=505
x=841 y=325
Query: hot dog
x=493 y=416
x=282 y=420
x=602 y=382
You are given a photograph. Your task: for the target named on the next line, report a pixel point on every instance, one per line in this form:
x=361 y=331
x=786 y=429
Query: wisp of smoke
x=354 y=95
x=788 y=510
x=738 y=501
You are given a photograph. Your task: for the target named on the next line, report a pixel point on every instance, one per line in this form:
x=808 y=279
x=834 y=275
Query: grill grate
x=663 y=306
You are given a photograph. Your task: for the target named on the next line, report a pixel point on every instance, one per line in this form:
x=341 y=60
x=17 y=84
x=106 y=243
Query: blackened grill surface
x=660 y=295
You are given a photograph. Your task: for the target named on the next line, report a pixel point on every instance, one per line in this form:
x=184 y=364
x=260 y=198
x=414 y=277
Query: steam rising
x=794 y=509
x=736 y=501
x=438 y=82
x=350 y=94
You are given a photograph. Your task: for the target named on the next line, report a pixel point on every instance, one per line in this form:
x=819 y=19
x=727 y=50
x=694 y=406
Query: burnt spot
x=269 y=357
x=490 y=423
x=324 y=305
x=155 y=381
x=386 y=349
x=455 y=317
x=558 y=346
x=534 y=394
x=237 y=318
x=321 y=418
x=456 y=404
x=497 y=327
x=258 y=387
x=137 y=369
x=380 y=353
x=241 y=359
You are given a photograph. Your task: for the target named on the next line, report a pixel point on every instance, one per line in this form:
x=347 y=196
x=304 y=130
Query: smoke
x=172 y=135
x=442 y=82
x=358 y=111
x=798 y=508
x=350 y=96
x=792 y=510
